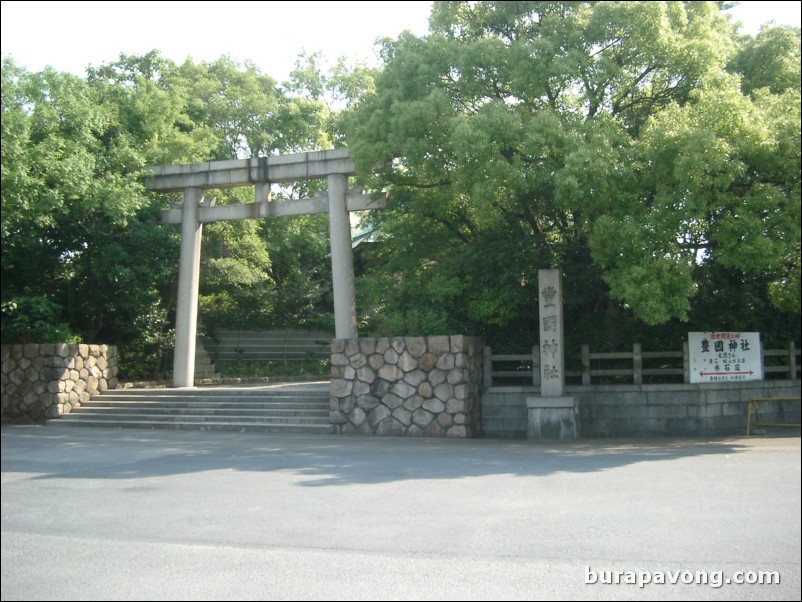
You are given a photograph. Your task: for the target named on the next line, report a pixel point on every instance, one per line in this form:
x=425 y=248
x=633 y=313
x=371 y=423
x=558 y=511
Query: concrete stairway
x=301 y=408
x=204 y=368
x=232 y=346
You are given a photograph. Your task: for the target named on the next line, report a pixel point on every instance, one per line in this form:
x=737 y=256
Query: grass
x=306 y=368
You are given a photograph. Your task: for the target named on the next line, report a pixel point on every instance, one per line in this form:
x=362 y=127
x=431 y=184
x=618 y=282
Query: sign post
x=552 y=415
x=717 y=357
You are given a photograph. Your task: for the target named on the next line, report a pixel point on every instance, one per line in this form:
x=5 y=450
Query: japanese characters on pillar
x=725 y=356
x=552 y=378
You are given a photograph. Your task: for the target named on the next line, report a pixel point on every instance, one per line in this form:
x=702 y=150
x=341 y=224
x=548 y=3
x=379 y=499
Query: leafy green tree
x=607 y=139
x=83 y=250
x=339 y=88
x=769 y=60
x=83 y=258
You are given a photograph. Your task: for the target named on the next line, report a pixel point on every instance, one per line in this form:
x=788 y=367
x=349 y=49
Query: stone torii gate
x=193 y=179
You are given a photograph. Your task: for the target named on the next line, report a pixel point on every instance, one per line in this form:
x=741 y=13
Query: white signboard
x=725 y=356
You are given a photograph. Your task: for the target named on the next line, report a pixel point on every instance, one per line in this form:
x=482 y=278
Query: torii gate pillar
x=186 y=313
x=342 y=259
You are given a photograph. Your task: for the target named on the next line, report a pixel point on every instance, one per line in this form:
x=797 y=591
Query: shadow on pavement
x=90 y=453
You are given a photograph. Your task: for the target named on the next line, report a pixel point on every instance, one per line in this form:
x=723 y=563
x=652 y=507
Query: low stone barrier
x=674 y=410
x=48 y=380
x=407 y=386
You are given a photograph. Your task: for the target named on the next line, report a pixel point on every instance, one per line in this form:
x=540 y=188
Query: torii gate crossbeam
x=193 y=179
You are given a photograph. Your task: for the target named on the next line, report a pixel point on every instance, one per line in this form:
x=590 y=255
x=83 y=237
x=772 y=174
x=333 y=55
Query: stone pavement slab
x=104 y=514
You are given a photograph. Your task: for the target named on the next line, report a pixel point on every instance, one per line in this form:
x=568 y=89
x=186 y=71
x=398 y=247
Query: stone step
x=188 y=417
x=204 y=368
x=214 y=393
x=311 y=390
x=288 y=346
x=161 y=406
x=261 y=427
x=218 y=397
x=200 y=407
x=276 y=408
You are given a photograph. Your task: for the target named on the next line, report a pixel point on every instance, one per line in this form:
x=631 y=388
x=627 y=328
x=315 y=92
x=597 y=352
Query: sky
x=69 y=36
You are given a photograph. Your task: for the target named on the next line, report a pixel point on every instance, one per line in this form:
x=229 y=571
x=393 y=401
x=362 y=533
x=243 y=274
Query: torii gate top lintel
x=247 y=172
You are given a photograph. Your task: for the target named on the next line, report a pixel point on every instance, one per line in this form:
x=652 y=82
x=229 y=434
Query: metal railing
x=753 y=408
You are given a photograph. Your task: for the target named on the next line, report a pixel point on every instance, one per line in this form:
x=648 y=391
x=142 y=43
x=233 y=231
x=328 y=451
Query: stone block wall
x=504 y=412
x=677 y=410
x=424 y=386
x=49 y=380
x=704 y=409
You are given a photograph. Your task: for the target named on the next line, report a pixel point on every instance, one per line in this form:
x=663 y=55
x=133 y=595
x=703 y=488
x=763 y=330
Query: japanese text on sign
x=725 y=356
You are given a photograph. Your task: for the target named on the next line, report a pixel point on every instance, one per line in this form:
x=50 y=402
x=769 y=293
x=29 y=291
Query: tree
x=607 y=139
x=339 y=88
x=769 y=60
x=76 y=215
x=82 y=258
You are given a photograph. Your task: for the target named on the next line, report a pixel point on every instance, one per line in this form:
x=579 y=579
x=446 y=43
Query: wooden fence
x=626 y=367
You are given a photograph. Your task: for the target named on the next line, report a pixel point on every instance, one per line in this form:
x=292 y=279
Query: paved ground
x=96 y=514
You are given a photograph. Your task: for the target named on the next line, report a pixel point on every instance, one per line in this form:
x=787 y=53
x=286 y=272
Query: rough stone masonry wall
x=49 y=380
x=407 y=386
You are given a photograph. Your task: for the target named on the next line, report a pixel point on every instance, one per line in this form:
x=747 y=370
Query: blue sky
x=69 y=36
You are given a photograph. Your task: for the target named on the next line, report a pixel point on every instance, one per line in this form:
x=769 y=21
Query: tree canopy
x=636 y=146
x=646 y=149
x=83 y=254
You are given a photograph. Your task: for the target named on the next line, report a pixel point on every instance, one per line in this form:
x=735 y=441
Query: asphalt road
x=101 y=514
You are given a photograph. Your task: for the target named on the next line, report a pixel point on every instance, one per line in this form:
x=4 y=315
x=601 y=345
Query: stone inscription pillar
x=553 y=415
x=552 y=363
